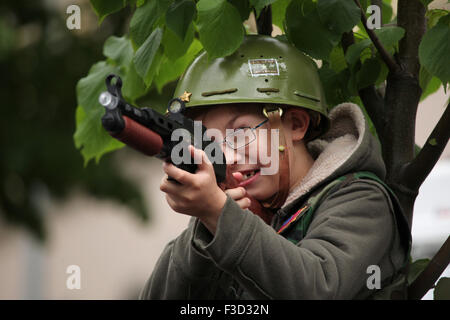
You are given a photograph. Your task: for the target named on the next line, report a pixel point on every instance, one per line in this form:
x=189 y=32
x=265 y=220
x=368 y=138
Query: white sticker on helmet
x=263 y=67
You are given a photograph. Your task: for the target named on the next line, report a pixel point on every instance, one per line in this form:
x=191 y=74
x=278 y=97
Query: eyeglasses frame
x=243 y=128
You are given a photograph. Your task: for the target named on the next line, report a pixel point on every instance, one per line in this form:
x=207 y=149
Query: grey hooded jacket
x=352 y=229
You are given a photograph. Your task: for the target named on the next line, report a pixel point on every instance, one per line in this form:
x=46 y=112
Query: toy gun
x=150 y=133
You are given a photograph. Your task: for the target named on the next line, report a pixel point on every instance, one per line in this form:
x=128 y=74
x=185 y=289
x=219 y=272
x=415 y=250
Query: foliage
x=165 y=36
x=37 y=123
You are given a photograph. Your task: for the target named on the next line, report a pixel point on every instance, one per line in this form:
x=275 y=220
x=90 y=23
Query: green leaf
x=354 y=51
x=328 y=78
x=179 y=17
x=337 y=15
x=432 y=142
x=220 y=27
x=243 y=6
x=383 y=73
x=434 y=50
x=133 y=85
x=416 y=268
x=364 y=4
x=390 y=36
x=432 y=87
x=279 y=12
x=351 y=83
x=91 y=137
x=428 y=83
x=417 y=149
x=104 y=8
x=386 y=11
x=442 y=289
x=368 y=74
x=143 y=58
x=90 y=134
x=143 y=21
x=171 y=70
x=118 y=49
x=174 y=47
x=306 y=32
x=433 y=17
x=335 y=84
x=337 y=59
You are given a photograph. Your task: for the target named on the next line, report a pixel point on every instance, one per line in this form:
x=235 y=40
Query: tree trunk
x=401 y=101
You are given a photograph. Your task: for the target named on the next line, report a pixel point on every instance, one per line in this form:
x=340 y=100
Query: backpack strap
x=303 y=217
x=296 y=226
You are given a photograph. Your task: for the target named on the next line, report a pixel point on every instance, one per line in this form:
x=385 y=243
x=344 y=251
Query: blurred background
x=110 y=218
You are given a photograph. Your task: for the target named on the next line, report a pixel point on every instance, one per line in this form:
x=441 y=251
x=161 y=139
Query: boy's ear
x=298 y=122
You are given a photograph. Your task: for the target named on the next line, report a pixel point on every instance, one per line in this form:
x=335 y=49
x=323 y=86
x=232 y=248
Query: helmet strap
x=274 y=116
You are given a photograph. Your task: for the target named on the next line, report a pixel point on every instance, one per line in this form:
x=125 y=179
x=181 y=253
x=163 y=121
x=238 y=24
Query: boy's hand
x=197 y=194
x=239 y=194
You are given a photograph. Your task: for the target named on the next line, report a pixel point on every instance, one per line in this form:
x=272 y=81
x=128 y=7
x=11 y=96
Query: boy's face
x=250 y=159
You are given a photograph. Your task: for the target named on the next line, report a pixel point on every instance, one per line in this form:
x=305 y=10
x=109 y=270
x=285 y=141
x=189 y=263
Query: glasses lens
x=240 y=138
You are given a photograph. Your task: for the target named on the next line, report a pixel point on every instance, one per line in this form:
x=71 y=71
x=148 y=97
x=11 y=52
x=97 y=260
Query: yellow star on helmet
x=186 y=96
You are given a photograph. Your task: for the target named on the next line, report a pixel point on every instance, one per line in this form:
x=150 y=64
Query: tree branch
x=431 y=274
x=264 y=21
x=415 y=173
x=373 y=102
x=385 y=55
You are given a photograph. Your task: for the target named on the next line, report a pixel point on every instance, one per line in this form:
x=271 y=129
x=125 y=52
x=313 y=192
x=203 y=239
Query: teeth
x=249 y=175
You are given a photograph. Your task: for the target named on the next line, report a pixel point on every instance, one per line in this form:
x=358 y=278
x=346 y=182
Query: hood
x=348 y=146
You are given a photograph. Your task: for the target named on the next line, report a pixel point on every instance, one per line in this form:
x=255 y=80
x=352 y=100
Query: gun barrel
x=139 y=137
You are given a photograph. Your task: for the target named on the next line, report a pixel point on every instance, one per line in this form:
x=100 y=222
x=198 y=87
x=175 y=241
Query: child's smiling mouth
x=249 y=176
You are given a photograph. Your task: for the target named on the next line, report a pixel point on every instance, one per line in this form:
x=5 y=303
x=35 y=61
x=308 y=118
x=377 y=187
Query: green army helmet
x=262 y=70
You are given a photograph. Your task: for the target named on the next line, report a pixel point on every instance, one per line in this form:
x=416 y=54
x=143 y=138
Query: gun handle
x=255 y=206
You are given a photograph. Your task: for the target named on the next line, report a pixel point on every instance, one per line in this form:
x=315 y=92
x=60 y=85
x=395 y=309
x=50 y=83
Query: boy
x=333 y=219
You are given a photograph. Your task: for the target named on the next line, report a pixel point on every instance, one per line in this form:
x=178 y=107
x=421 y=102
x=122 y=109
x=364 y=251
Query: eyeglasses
x=242 y=137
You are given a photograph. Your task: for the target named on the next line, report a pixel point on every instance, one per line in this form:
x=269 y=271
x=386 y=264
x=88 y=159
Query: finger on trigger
x=195 y=154
x=178 y=174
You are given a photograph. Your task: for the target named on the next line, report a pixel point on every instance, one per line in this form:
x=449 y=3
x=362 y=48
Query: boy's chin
x=263 y=188
x=259 y=194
